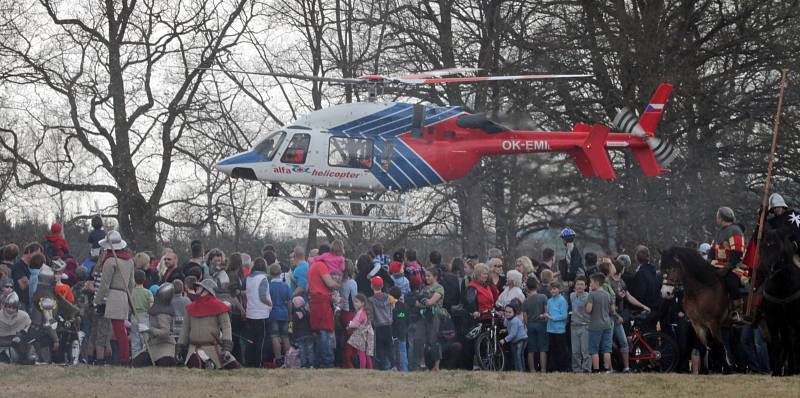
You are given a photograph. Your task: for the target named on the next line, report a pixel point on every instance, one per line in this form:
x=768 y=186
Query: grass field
x=110 y=382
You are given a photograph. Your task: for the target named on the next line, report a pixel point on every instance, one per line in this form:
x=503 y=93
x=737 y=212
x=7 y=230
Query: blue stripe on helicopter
x=247 y=157
x=411 y=170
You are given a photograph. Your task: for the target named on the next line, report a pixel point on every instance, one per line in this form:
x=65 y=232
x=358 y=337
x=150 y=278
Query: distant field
x=110 y=382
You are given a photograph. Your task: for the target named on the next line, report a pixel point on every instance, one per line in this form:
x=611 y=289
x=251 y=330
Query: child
x=544 y=287
x=599 y=306
x=516 y=335
x=61 y=288
x=301 y=332
x=96 y=236
x=279 y=315
x=381 y=318
x=581 y=360
x=534 y=310
x=399 y=278
x=399 y=329
x=557 y=328
x=334 y=259
x=142 y=301
x=363 y=337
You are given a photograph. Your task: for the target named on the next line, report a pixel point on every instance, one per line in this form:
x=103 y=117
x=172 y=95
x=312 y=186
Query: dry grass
x=109 y=382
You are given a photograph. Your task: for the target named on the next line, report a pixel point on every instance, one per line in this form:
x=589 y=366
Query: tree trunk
x=470 y=209
x=137 y=223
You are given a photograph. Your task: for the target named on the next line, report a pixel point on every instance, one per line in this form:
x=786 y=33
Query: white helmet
x=704 y=248
x=776 y=200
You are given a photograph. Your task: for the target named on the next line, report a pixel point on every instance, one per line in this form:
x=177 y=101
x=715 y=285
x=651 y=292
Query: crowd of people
x=564 y=311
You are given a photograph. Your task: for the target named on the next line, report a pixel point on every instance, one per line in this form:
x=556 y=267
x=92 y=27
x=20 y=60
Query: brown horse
x=705 y=300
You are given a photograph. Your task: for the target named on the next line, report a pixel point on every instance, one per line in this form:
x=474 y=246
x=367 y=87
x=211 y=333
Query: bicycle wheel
x=488 y=353
x=663 y=345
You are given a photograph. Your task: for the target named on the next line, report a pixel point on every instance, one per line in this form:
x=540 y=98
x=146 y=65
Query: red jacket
x=486 y=295
x=60 y=246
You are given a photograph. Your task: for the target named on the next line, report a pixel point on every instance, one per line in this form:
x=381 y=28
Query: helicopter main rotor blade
x=293 y=76
x=479 y=79
x=439 y=73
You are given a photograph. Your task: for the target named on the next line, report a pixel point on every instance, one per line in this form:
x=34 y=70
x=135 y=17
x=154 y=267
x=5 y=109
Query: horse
x=705 y=300
x=778 y=279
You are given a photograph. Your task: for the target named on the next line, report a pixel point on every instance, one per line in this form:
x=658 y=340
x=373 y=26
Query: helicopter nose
x=228 y=164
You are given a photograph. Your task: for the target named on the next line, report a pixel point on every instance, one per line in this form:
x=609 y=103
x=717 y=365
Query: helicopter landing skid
x=315 y=203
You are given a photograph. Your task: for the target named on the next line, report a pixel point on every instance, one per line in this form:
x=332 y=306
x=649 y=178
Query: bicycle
x=649 y=351
x=489 y=353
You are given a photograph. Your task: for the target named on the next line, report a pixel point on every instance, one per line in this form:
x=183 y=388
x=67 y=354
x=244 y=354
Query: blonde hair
x=493 y=262
x=612 y=269
x=481 y=268
x=140 y=260
x=337 y=247
x=527 y=264
x=547 y=276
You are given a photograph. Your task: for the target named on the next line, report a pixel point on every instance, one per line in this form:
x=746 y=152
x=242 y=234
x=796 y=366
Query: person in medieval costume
x=160 y=343
x=784 y=220
x=727 y=251
x=113 y=294
x=46 y=306
x=206 y=339
x=14 y=324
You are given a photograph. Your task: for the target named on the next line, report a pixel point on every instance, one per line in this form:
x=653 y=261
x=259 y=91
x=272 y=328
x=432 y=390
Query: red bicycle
x=648 y=351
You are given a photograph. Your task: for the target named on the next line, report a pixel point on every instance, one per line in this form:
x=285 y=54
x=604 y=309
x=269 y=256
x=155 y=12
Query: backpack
x=48 y=249
x=415 y=275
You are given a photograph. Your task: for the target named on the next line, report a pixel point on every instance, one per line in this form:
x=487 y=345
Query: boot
x=737 y=310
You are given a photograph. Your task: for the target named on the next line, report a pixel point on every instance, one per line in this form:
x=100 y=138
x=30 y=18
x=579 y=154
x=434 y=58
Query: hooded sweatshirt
x=335 y=263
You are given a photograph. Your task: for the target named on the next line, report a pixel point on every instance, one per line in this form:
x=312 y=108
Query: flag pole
x=765 y=197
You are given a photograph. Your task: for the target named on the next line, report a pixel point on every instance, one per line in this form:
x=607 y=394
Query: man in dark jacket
x=571 y=265
x=645 y=284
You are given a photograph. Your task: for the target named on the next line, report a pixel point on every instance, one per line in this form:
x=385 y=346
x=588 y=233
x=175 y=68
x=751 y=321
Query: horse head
x=777 y=252
x=687 y=265
x=671 y=264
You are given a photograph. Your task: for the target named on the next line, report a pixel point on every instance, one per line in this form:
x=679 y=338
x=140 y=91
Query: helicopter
x=376 y=146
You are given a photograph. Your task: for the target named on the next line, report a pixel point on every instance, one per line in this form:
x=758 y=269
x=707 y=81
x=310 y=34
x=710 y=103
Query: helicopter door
x=297 y=150
x=386 y=155
x=350 y=152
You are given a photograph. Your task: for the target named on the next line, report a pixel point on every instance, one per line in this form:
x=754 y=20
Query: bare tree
x=118 y=80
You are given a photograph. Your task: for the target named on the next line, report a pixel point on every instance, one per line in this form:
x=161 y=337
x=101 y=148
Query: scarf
x=121 y=254
x=10 y=325
x=206 y=306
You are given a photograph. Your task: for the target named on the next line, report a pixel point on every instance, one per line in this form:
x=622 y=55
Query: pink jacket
x=335 y=263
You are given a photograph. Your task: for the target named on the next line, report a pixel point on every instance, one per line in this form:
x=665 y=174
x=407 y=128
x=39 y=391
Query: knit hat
x=377 y=281
x=55 y=228
x=395 y=267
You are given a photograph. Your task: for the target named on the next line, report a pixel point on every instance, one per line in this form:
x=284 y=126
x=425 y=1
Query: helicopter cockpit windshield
x=268 y=146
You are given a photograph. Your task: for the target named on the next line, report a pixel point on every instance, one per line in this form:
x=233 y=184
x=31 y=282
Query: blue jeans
x=618 y=334
x=324 y=344
x=401 y=355
x=755 y=349
x=518 y=352
x=599 y=341
x=306 y=346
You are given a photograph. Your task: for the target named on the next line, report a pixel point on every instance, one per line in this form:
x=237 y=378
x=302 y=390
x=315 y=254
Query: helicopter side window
x=269 y=145
x=350 y=152
x=297 y=150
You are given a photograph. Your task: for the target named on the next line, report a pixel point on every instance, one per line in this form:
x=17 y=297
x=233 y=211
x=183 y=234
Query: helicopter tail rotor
x=659 y=153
